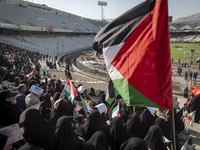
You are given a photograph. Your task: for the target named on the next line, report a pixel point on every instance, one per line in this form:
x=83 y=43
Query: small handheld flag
x=115 y=111
x=86 y=107
x=191 y=117
x=70 y=91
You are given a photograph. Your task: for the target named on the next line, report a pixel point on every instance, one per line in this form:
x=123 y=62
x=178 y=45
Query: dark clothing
x=98 y=141
x=45 y=109
x=134 y=143
x=154 y=138
x=147 y=119
x=195 y=106
x=9 y=113
x=36 y=130
x=118 y=133
x=135 y=127
x=56 y=96
x=51 y=91
x=21 y=101
x=164 y=127
x=94 y=124
x=64 y=136
x=65 y=108
x=28 y=146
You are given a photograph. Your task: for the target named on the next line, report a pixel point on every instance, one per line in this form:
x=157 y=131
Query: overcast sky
x=90 y=9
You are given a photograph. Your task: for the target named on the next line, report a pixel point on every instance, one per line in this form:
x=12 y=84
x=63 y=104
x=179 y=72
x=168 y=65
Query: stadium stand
x=29 y=17
x=48 y=44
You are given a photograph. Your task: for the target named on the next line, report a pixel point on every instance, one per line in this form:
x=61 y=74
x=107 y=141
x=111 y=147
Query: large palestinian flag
x=136 y=49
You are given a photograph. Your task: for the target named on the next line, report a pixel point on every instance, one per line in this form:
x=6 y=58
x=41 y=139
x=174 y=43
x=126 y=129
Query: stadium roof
x=171 y=28
x=186 y=27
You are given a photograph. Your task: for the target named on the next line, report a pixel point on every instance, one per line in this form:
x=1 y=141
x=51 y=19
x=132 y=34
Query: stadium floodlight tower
x=102 y=3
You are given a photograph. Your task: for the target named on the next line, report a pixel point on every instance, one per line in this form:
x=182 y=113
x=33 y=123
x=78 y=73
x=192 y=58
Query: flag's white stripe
x=109 y=54
x=68 y=88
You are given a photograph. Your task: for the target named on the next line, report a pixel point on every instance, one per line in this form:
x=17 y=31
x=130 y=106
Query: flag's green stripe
x=110 y=100
x=84 y=104
x=131 y=95
x=115 y=109
x=68 y=95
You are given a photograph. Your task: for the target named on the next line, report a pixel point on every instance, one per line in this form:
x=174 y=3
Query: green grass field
x=186 y=48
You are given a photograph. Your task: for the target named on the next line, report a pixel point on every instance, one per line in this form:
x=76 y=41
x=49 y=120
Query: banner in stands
x=49 y=29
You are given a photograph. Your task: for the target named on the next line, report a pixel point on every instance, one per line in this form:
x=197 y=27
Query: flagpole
x=172 y=128
x=172 y=119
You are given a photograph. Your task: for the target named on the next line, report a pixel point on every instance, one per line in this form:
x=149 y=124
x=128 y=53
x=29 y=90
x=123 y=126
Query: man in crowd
x=21 y=97
x=32 y=99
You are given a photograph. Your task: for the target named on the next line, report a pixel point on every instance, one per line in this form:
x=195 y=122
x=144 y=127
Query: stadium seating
x=48 y=45
x=11 y=13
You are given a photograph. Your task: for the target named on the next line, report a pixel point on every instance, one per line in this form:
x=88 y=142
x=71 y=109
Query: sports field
x=182 y=50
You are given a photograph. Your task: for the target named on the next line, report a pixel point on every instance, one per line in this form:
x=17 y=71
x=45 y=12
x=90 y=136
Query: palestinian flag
x=115 y=111
x=136 y=49
x=111 y=93
x=30 y=74
x=185 y=113
x=70 y=91
x=85 y=105
x=1 y=79
x=11 y=53
x=191 y=117
x=196 y=91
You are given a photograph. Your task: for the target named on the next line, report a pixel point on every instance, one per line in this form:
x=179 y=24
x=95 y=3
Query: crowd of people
x=58 y=124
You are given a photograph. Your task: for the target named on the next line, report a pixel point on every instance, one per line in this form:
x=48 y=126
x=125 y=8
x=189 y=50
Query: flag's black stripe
x=119 y=30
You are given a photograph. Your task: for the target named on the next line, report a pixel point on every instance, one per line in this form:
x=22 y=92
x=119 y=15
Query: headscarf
x=195 y=106
x=58 y=87
x=45 y=107
x=147 y=119
x=65 y=108
x=134 y=143
x=164 y=127
x=36 y=129
x=32 y=82
x=98 y=141
x=119 y=133
x=94 y=124
x=64 y=136
x=135 y=127
x=154 y=138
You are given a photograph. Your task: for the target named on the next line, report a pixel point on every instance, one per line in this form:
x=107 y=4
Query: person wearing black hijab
x=64 y=136
x=154 y=138
x=65 y=108
x=135 y=127
x=134 y=143
x=118 y=133
x=98 y=141
x=195 y=106
x=45 y=107
x=57 y=87
x=164 y=127
x=93 y=124
x=36 y=130
x=147 y=119
x=32 y=82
